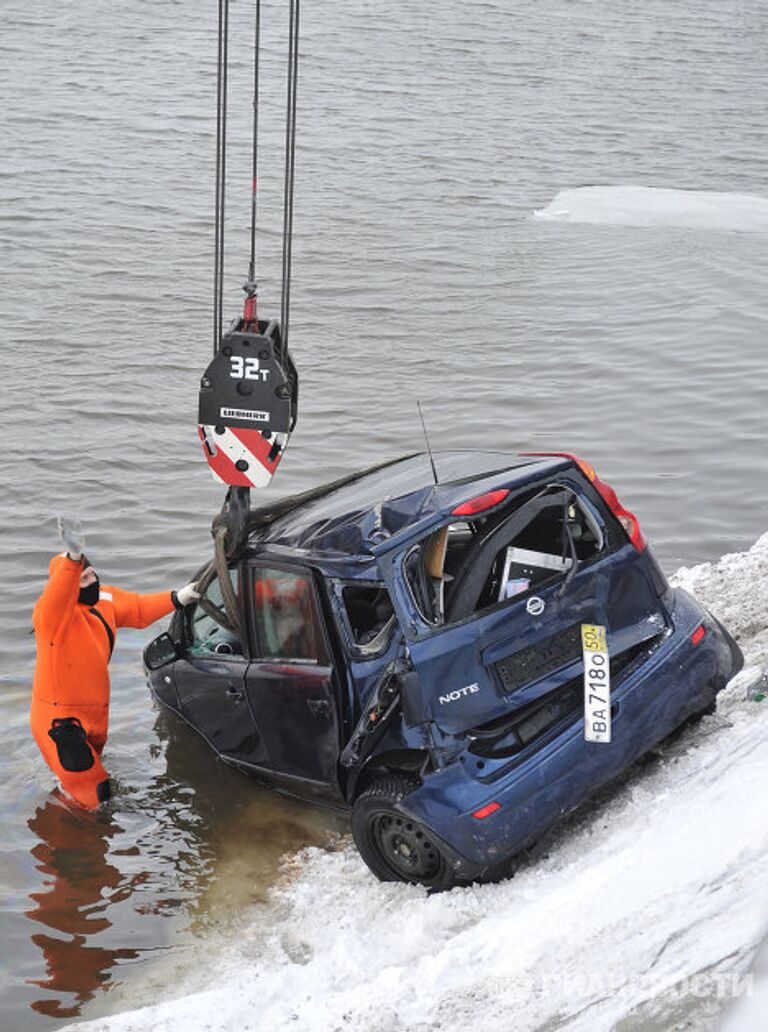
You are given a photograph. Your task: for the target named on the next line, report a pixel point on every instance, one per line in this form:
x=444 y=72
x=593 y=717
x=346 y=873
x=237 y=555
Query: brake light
x=481 y=503
x=486 y=811
x=627 y=519
x=698 y=634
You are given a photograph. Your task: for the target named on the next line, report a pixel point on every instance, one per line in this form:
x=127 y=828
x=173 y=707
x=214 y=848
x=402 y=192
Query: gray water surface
x=428 y=134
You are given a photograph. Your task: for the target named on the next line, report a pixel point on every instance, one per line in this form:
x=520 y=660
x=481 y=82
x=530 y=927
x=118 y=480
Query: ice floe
x=655 y=206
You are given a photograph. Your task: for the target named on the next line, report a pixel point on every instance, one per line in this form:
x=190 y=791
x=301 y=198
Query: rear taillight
x=480 y=503
x=627 y=519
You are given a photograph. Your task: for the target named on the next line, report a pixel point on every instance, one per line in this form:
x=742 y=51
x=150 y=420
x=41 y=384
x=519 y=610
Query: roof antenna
x=426 y=438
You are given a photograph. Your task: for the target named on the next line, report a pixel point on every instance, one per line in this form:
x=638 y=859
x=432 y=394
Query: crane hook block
x=247 y=408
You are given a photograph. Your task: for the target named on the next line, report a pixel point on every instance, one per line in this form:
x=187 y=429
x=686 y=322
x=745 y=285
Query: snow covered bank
x=649 y=206
x=648 y=905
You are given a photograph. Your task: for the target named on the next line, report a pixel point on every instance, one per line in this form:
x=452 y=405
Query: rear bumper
x=678 y=680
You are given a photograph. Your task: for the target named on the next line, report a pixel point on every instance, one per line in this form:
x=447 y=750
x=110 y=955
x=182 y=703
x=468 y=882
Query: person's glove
x=185 y=595
x=72 y=537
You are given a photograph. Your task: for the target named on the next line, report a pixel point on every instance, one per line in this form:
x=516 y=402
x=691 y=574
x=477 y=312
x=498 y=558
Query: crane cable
x=221 y=173
x=290 y=167
x=221 y=167
x=218 y=567
x=250 y=286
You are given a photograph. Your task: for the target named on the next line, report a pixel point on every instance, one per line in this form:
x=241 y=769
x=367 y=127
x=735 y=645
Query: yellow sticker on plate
x=593 y=638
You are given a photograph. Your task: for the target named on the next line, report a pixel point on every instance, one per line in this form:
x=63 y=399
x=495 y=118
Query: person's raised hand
x=72 y=537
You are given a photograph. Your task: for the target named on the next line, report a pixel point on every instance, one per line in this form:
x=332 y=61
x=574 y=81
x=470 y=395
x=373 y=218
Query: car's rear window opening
x=473 y=565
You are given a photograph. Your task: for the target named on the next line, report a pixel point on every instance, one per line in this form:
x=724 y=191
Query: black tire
x=395 y=847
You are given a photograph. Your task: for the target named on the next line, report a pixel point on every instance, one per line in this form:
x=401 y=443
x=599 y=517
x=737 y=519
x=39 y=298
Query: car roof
x=353 y=516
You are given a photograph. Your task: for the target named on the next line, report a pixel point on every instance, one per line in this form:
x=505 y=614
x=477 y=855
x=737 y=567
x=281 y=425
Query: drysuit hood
x=89 y=596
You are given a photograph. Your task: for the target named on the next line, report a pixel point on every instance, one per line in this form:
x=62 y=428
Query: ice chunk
x=646 y=206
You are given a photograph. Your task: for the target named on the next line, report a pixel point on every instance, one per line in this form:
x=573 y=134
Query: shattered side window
x=370 y=615
x=211 y=631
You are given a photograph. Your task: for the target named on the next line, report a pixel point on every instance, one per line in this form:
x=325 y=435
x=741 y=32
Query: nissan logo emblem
x=535 y=605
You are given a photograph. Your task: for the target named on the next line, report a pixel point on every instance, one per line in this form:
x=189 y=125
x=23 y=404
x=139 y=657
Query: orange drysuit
x=70 y=694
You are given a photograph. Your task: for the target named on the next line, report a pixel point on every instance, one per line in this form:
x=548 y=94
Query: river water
x=429 y=135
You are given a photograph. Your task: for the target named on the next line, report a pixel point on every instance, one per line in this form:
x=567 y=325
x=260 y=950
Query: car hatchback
x=457 y=655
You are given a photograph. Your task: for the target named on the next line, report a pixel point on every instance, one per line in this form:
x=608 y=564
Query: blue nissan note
x=456 y=654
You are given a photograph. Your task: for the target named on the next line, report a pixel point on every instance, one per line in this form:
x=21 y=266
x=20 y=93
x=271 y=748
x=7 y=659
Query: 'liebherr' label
x=250 y=414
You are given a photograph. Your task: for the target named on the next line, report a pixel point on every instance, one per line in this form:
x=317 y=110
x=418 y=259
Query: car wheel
x=395 y=847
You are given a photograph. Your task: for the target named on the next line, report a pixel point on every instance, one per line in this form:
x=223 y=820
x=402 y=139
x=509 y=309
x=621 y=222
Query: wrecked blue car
x=457 y=655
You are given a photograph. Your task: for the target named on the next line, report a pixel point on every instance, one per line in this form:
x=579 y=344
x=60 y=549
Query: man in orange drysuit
x=75 y=622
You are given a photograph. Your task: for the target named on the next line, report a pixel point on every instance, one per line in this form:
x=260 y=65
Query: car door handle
x=319 y=708
x=234 y=692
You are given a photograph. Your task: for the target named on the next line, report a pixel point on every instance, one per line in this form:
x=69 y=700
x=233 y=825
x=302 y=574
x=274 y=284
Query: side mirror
x=160 y=652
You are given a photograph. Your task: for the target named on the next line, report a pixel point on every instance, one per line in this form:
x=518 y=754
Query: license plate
x=597 y=684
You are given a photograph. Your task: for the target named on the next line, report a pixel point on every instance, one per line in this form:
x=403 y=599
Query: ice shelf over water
x=652 y=206
x=642 y=899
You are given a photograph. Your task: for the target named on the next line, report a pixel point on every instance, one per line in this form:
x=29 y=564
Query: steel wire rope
x=218 y=567
x=221 y=172
x=216 y=181
x=229 y=616
x=255 y=145
x=290 y=166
